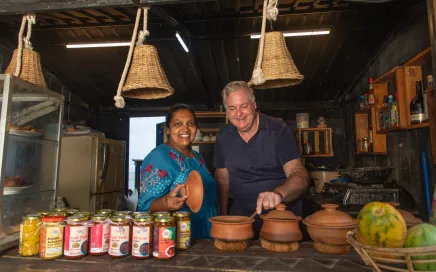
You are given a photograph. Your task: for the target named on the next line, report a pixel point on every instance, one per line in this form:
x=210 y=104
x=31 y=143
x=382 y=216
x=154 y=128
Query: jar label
x=51 y=242
x=417 y=117
x=183 y=234
x=164 y=242
x=119 y=240
x=99 y=238
x=141 y=241
x=76 y=240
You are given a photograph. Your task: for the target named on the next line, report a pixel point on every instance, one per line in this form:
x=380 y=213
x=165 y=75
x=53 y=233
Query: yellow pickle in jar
x=30 y=230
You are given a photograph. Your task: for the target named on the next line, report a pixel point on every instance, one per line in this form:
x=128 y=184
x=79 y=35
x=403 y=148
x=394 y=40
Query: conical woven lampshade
x=146 y=78
x=30 y=67
x=277 y=65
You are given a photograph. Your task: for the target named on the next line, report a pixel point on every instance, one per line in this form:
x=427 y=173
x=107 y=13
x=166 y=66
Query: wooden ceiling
x=220 y=47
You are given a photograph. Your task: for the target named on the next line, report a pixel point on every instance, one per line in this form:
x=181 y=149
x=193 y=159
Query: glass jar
x=142 y=235
x=183 y=229
x=99 y=236
x=59 y=209
x=159 y=214
x=71 y=212
x=107 y=212
x=136 y=214
x=119 y=237
x=52 y=237
x=365 y=145
x=43 y=214
x=30 y=230
x=84 y=214
x=64 y=214
x=164 y=238
x=122 y=213
x=76 y=237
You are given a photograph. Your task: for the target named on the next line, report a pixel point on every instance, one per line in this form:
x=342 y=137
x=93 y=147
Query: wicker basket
x=30 y=67
x=401 y=257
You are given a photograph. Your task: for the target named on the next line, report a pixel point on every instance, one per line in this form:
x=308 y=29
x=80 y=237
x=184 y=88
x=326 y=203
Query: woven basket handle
x=270 y=12
x=28 y=19
x=119 y=100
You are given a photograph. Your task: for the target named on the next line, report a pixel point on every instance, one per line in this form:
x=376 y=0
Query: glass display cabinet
x=30 y=125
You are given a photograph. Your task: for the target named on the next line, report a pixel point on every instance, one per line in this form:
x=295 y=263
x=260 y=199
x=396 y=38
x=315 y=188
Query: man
x=256 y=158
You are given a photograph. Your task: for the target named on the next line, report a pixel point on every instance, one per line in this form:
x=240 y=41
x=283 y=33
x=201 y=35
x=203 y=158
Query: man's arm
x=223 y=181
x=297 y=180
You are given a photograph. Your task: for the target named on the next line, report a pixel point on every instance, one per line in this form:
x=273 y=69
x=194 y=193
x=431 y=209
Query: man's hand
x=172 y=201
x=267 y=200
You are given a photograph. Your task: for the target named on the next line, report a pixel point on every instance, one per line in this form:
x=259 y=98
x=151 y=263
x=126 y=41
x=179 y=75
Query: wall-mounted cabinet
x=366 y=131
x=315 y=142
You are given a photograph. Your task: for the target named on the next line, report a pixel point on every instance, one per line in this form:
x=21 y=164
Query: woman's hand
x=172 y=201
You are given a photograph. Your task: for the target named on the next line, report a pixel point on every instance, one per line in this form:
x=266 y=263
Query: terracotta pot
x=281 y=226
x=330 y=217
x=231 y=228
x=194 y=190
x=334 y=236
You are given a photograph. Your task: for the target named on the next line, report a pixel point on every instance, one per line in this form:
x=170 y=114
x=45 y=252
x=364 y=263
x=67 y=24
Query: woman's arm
x=168 y=202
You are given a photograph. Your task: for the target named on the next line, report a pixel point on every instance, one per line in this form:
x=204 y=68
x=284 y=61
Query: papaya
x=422 y=235
x=380 y=224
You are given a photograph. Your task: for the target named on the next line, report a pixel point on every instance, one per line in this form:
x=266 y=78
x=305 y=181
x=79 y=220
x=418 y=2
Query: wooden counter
x=202 y=256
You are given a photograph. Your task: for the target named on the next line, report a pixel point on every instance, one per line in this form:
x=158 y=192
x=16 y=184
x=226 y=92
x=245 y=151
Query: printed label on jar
x=51 y=242
x=119 y=240
x=76 y=240
x=183 y=234
x=141 y=241
x=164 y=242
x=417 y=117
x=99 y=238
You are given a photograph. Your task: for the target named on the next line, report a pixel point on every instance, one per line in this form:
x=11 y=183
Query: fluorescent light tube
x=298 y=33
x=92 y=45
x=182 y=42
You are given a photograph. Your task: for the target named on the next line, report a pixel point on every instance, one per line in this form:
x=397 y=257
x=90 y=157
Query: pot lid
x=280 y=213
x=331 y=217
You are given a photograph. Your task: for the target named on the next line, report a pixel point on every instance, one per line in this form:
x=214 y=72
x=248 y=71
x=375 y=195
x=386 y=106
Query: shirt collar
x=263 y=123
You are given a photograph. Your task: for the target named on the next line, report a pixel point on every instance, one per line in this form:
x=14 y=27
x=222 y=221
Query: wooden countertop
x=202 y=256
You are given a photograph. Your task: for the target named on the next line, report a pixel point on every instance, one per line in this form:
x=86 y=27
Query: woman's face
x=182 y=128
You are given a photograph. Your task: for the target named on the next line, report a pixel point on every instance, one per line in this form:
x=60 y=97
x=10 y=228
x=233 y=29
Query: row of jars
x=75 y=234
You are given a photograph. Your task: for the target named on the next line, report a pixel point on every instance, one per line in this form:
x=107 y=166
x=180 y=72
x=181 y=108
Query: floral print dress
x=162 y=169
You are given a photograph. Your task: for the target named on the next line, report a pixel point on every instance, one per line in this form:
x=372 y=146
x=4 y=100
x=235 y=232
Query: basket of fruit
x=385 y=244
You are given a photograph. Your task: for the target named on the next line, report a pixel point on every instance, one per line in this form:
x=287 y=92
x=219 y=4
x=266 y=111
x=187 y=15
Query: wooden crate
x=320 y=138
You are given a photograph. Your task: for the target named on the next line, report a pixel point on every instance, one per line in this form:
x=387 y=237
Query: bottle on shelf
x=382 y=113
x=417 y=112
x=387 y=112
x=394 y=121
x=371 y=96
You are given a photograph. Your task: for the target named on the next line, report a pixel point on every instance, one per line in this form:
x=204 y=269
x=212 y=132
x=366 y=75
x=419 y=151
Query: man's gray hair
x=236 y=86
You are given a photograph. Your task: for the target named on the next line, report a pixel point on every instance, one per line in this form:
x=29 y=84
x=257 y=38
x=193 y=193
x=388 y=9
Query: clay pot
x=328 y=228
x=231 y=228
x=194 y=190
x=281 y=226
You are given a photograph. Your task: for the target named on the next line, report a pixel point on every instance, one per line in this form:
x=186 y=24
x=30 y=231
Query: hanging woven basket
x=274 y=67
x=146 y=78
x=25 y=62
x=143 y=76
x=278 y=68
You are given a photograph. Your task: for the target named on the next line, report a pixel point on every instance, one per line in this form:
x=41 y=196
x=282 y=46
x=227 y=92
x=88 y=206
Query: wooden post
x=431 y=98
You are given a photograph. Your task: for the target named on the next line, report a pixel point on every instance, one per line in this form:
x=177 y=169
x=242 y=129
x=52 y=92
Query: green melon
x=420 y=236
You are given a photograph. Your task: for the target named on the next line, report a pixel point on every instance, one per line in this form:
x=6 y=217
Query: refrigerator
x=92 y=173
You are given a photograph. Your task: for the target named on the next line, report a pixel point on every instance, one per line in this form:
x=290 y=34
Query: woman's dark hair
x=176 y=108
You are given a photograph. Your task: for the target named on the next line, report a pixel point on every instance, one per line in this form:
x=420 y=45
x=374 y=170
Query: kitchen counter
x=202 y=256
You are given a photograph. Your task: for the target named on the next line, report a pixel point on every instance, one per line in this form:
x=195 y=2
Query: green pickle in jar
x=164 y=238
x=183 y=229
x=30 y=230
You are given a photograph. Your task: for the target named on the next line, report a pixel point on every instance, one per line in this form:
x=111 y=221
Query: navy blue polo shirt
x=256 y=166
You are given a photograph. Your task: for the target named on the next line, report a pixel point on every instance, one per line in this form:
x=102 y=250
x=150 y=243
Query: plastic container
x=119 y=237
x=99 y=235
x=142 y=237
x=183 y=230
x=30 y=230
x=164 y=238
x=52 y=237
x=302 y=120
x=76 y=237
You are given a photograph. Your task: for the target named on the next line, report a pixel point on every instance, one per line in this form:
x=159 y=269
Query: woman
x=167 y=167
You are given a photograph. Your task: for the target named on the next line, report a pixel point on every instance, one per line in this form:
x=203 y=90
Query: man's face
x=240 y=110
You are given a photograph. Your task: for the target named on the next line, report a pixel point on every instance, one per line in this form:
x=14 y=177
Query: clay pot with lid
x=328 y=229
x=281 y=226
x=231 y=228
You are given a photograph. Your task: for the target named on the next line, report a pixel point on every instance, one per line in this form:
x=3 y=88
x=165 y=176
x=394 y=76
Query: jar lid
x=99 y=216
x=59 y=209
x=106 y=211
x=84 y=213
x=77 y=218
x=181 y=214
x=135 y=214
x=32 y=216
x=144 y=218
x=53 y=218
x=159 y=214
x=57 y=214
x=119 y=218
x=123 y=213
x=72 y=211
x=330 y=217
x=164 y=219
x=43 y=213
x=280 y=213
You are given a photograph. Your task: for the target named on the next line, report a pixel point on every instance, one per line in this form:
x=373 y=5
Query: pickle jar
x=119 y=237
x=87 y=215
x=164 y=238
x=52 y=237
x=107 y=212
x=30 y=230
x=183 y=229
x=99 y=235
x=142 y=237
x=76 y=237
x=136 y=214
x=71 y=212
x=159 y=214
x=122 y=213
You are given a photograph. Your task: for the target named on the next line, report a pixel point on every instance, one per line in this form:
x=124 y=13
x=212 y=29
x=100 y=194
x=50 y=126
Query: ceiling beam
x=14 y=7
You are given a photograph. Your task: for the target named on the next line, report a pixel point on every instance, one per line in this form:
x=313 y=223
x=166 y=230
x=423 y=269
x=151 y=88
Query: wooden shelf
x=422 y=125
x=361 y=120
x=318 y=155
x=388 y=76
x=420 y=59
x=384 y=131
x=315 y=129
x=370 y=153
x=320 y=138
